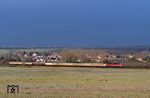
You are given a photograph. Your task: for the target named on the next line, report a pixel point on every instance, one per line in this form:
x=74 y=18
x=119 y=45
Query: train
x=68 y=64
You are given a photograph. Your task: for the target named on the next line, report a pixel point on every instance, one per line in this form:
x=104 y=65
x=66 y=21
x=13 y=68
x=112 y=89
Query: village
x=74 y=56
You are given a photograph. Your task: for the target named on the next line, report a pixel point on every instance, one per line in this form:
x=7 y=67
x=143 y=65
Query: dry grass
x=73 y=82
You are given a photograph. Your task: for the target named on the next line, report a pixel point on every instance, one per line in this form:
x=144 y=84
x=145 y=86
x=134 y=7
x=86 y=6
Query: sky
x=74 y=22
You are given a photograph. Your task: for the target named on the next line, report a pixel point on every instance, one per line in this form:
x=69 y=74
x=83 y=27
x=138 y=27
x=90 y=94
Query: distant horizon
x=136 y=46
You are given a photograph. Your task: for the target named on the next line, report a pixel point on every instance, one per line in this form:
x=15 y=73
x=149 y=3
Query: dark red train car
x=114 y=65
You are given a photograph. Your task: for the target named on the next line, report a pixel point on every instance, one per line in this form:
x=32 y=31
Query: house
x=53 y=57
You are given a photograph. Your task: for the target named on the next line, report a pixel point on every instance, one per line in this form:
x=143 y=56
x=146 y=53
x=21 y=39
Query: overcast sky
x=74 y=22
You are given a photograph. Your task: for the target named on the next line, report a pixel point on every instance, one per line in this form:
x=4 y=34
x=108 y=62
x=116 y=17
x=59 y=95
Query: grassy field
x=74 y=82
